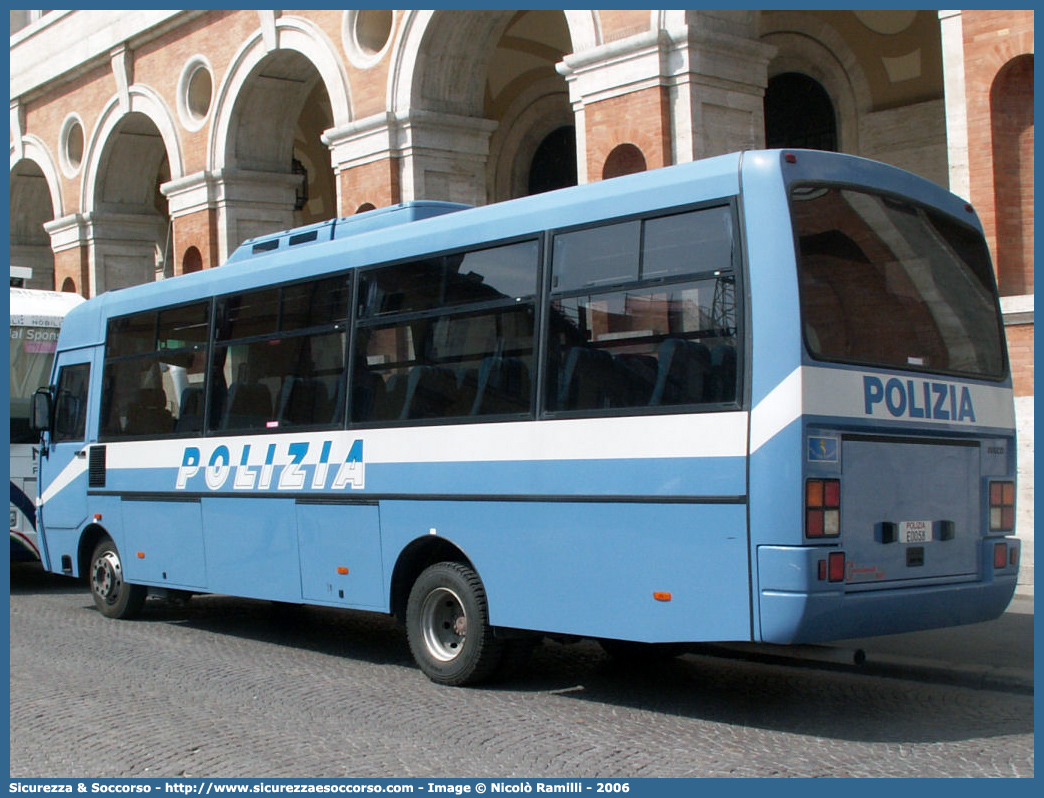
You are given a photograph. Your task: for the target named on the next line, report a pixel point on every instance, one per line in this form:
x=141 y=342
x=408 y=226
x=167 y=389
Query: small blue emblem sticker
x=822 y=450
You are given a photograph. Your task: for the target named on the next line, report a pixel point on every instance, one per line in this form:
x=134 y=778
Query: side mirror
x=40 y=411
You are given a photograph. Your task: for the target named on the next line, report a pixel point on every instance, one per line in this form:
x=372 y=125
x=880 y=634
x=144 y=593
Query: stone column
x=689 y=91
x=124 y=249
x=71 y=257
x=192 y=204
x=428 y=155
x=249 y=204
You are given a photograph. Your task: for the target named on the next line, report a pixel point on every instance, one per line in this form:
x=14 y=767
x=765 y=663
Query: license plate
x=915 y=531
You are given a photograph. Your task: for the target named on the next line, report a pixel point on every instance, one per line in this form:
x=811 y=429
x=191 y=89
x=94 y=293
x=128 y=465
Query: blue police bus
x=761 y=397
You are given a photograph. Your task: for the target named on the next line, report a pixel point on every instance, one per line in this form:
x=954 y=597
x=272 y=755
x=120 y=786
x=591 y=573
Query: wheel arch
x=92 y=535
x=413 y=559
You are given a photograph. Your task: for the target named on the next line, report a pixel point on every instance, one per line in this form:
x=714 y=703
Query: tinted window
x=447 y=337
x=599 y=256
x=687 y=243
x=302 y=306
x=486 y=275
x=890 y=283
x=652 y=347
x=280 y=358
x=70 y=403
x=154 y=361
x=664 y=334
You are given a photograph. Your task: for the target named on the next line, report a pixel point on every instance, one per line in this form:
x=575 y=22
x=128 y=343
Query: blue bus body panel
x=528 y=554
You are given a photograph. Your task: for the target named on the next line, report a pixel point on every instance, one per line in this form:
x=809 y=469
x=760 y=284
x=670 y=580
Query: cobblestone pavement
x=224 y=687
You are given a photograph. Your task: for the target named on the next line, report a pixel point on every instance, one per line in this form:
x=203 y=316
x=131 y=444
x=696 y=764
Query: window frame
x=737 y=264
x=538 y=305
x=889 y=196
x=154 y=355
x=398 y=319
x=212 y=426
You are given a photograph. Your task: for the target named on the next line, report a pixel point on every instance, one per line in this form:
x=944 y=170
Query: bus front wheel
x=113 y=597
x=447 y=623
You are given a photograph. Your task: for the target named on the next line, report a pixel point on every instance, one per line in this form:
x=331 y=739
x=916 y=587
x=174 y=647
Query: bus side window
x=152 y=359
x=644 y=314
x=280 y=359
x=70 y=404
x=447 y=337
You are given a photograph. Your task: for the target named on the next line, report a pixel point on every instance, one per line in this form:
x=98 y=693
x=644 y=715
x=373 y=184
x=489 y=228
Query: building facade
x=147 y=144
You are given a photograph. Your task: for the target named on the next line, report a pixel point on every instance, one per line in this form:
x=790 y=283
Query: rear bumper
x=795 y=607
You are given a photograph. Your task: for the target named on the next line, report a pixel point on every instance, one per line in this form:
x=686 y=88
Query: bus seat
x=367 y=395
x=721 y=381
x=302 y=400
x=467 y=390
x=430 y=391
x=149 y=414
x=587 y=379
x=681 y=372
x=190 y=418
x=248 y=405
x=503 y=386
x=637 y=377
x=389 y=402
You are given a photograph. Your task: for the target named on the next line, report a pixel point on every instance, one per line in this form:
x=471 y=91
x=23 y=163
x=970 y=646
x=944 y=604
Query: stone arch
x=479 y=92
x=624 y=159
x=291 y=34
x=809 y=47
x=1011 y=122
x=191 y=261
x=33 y=149
x=35 y=199
x=143 y=101
x=133 y=149
x=408 y=65
x=284 y=88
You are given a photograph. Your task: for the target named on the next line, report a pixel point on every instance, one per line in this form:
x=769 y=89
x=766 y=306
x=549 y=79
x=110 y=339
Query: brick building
x=145 y=144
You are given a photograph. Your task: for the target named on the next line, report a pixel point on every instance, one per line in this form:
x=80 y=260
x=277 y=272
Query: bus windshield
x=32 y=352
x=886 y=282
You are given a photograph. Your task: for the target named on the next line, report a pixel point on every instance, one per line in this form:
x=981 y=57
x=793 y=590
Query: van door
x=64 y=460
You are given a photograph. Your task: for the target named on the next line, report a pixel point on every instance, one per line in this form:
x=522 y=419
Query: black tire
x=113 y=597
x=447 y=623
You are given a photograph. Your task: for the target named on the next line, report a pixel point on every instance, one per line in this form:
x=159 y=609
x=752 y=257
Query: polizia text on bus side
x=762 y=397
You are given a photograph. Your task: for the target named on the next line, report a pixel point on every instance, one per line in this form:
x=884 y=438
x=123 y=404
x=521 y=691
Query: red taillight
x=823 y=508
x=836 y=566
x=1000 y=555
x=832 y=569
x=1002 y=506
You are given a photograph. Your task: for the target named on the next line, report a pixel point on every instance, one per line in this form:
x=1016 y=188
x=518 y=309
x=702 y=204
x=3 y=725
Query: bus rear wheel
x=113 y=597
x=447 y=623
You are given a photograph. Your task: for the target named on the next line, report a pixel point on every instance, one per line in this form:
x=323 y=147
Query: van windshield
x=886 y=282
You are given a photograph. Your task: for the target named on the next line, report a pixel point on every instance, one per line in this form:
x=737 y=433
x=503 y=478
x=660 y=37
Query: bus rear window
x=889 y=283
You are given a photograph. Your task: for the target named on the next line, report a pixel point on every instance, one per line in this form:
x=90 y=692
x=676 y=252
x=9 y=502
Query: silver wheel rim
x=107 y=577
x=444 y=623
